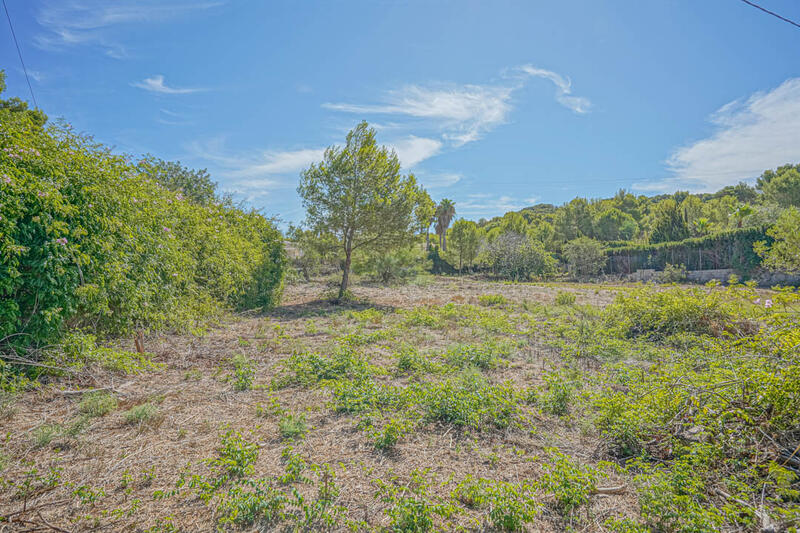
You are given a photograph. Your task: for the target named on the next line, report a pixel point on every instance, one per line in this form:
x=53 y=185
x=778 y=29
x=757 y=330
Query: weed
x=46 y=433
x=7 y=404
x=236 y=455
x=308 y=368
x=488 y=355
x=469 y=401
x=674 y=499
x=389 y=435
x=487 y=300
x=193 y=375
x=294 y=468
x=142 y=415
x=292 y=426
x=510 y=506
x=409 y=360
x=243 y=372
x=568 y=482
x=565 y=298
x=411 y=508
x=96 y=404
x=558 y=395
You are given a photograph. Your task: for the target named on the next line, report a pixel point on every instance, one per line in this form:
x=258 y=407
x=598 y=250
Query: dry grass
x=195 y=401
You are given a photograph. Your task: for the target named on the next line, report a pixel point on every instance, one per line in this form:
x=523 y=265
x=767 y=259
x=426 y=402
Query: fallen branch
x=767 y=525
x=610 y=490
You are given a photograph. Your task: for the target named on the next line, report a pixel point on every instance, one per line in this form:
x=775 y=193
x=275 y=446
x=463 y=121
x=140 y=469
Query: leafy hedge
x=729 y=249
x=90 y=240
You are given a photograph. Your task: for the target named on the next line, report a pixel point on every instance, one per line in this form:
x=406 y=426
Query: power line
x=19 y=52
x=749 y=3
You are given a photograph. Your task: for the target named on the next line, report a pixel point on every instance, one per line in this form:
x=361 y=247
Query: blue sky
x=495 y=104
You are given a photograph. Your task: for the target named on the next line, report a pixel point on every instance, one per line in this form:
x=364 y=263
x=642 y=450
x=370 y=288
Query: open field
x=447 y=404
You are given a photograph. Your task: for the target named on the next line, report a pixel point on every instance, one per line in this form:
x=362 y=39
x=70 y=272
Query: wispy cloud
x=88 y=22
x=255 y=163
x=156 y=84
x=464 y=112
x=461 y=114
x=564 y=96
x=171 y=118
x=256 y=174
x=439 y=180
x=753 y=134
x=413 y=150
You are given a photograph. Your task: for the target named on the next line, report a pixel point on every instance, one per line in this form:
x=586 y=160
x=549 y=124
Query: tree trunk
x=444 y=241
x=345 y=274
x=427 y=239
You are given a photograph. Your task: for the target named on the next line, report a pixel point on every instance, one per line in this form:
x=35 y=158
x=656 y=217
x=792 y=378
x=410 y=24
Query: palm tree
x=445 y=212
x=701 y=226
x=742 y=212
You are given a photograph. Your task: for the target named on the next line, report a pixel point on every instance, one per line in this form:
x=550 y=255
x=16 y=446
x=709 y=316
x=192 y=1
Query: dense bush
x=90 y=240
x=672 y=274
x=585 y=257
x=392 y=266
x=658 y=314
x=784 y=254
x=519 y=257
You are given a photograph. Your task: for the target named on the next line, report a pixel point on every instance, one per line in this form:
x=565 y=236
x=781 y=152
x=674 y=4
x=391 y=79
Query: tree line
x=357 y=202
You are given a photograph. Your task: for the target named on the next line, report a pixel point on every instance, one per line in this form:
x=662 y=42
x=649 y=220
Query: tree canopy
x=357 y=194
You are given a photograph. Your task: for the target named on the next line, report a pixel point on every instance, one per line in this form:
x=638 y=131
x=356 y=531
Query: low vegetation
x=535 y=407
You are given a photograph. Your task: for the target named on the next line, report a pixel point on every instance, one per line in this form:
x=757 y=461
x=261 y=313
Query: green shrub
x=659 y=314
x=585 y=257
x=243 y=372
x=510 y=506
x=725 y=249
x=142 y=414
x=519 y=257
x=568 y=482
x=97 y=403
x=93 y=240
x=292 y=426
x=565 y=298
x=492 y=299
x=395 y=266
x=672 y=274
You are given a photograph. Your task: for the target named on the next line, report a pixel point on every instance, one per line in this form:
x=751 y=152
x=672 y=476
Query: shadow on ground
x=322 y=307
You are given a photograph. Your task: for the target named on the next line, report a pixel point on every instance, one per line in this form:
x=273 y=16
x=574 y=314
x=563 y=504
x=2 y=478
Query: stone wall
x=704 y=276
